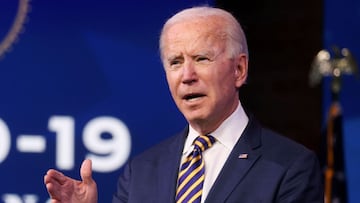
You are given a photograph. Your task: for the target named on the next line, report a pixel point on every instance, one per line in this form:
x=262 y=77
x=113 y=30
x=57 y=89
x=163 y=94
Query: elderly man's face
x=202 y=77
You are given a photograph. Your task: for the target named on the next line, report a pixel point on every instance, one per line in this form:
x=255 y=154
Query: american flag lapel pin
x=243 y=156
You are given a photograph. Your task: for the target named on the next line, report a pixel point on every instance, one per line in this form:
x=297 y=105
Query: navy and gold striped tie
x=191 y=175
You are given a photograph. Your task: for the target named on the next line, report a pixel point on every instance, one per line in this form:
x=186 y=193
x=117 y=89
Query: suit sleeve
x=123 y=185
x=302 y=181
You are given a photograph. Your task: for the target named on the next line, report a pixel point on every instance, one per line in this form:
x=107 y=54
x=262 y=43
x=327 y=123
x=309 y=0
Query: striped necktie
x=192 y=172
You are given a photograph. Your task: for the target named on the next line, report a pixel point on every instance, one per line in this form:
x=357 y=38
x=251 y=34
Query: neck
x=206 y=126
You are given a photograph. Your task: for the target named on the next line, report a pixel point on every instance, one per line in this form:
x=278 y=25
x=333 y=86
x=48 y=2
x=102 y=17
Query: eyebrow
x=173 y=57
x=207 y=53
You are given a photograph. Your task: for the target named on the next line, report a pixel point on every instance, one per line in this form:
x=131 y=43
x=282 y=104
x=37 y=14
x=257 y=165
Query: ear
x=241 y=69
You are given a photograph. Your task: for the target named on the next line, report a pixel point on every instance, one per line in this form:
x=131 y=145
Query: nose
x=189 y=75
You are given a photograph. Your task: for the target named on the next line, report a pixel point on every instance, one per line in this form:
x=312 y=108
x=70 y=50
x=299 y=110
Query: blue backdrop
x=80 y=79
x=342 y=28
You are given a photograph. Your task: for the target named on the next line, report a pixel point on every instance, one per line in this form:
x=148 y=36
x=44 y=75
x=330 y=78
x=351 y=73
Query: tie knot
x=204 y=142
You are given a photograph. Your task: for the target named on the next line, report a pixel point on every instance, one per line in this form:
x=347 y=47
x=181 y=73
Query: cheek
x=171 y=80
x=225 y=82
x=224 y=76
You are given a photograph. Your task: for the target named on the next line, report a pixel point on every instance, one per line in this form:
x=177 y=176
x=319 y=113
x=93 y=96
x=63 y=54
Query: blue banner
x=80 y=79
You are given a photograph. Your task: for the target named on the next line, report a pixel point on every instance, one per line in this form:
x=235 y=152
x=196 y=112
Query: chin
x=196 y=118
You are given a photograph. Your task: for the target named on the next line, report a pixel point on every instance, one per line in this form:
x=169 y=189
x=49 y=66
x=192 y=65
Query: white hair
x=230 y=27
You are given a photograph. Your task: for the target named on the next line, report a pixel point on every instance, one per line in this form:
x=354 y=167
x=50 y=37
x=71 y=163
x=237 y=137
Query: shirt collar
x=226 y=134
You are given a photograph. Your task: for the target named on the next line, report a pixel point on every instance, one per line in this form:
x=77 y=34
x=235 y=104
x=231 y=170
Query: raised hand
x=63 y=189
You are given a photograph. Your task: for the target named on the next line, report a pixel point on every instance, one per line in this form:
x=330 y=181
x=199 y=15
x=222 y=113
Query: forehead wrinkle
x=204 y=36
x=204 y=44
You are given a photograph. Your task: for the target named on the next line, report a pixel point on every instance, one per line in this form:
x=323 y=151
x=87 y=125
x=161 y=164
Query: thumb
x=86 y=171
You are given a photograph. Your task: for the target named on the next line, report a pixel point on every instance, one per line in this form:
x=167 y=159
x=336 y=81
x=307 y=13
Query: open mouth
x=193 y=96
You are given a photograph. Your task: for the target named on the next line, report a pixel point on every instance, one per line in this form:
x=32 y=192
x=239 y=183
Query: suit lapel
x=241 y=159
x=168 y=168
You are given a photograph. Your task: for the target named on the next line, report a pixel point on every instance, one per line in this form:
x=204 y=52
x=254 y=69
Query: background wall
x=283 y=38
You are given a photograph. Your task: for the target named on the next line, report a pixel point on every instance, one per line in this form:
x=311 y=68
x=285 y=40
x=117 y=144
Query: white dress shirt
x=226 y=135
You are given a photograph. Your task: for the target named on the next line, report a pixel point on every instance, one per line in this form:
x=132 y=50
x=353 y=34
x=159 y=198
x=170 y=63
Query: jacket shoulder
x=171 y=144
x=281 y=149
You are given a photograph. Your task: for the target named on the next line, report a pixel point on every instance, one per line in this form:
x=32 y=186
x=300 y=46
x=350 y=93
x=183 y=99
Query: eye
x=202 y=58
x=174 y=62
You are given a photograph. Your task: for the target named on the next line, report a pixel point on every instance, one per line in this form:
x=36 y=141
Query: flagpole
x=334 y=111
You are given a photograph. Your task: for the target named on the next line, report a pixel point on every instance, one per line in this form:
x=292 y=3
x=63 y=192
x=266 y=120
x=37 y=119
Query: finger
x=54 y=181
x=54 y=191
x=86 y=171
x=54 y=175
x=53 y=187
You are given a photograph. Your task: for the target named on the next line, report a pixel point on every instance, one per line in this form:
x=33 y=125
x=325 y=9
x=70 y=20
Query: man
x=205 y=57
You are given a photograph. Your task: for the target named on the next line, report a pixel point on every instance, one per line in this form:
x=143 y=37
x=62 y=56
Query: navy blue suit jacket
x=276 y=170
